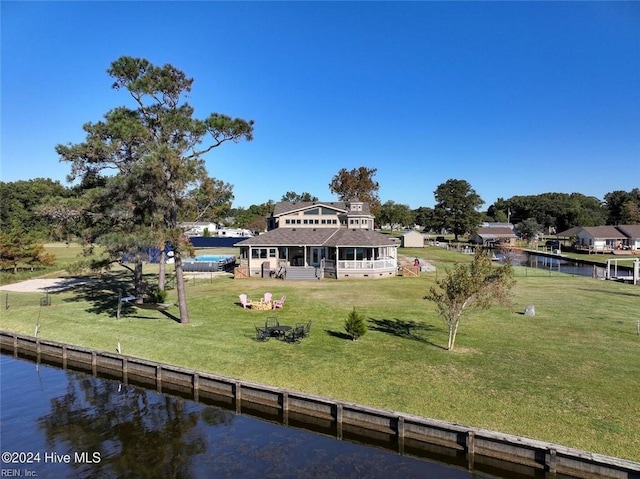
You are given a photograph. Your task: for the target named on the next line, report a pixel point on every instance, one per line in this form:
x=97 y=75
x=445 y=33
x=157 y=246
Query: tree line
x=50 y=211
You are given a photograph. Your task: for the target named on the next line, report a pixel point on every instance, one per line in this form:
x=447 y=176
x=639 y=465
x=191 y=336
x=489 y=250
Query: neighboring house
x=412 y=239
x=601 y=239
x=197 y=228
x=234 y=233
x=491 y=235
x=320 y=240
x=632 y=232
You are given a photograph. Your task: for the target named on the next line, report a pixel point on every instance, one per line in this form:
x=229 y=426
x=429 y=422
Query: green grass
x=569 y=375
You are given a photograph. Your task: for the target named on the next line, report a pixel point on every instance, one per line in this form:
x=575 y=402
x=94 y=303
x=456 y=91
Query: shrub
x=156 y=295
x=354 y=325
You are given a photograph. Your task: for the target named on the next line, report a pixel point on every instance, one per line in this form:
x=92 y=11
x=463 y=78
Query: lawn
x=569 y=375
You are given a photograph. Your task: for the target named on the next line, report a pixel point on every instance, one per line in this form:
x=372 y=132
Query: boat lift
x=614 y=263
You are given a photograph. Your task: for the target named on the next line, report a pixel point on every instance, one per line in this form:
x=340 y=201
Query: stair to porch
x=300 y=272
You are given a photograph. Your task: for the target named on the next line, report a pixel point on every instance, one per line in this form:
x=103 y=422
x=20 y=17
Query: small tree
x=477 y=284
x=354 y=325
x=529 y=229
x=18 y=248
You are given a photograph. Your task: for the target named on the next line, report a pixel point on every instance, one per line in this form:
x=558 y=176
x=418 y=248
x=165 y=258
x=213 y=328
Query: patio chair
x=262 y=334
x=280 y=274
x=279 y=303
x=267 y=297
x=245 y=301
x=271 y=322
x=295 y=335
x=305 y=328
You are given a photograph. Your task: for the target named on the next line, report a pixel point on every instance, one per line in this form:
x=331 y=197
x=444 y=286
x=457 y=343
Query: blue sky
x=516 y=98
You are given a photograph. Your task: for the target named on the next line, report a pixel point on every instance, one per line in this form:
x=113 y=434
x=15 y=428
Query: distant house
x=605 y=239
x=412 y=239
x=320 y=240
x=197 y=228
x=600 y=239
x=234 y=233
x=491 y=235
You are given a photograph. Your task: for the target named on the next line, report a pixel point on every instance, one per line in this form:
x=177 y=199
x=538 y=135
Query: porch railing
x=364 y=264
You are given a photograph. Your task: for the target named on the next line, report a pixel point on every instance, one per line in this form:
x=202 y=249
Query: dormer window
x=355 y=206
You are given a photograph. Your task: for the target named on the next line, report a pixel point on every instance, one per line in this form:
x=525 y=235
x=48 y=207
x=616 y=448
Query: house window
x=288 y=222
x=314 y=211
x=306 y=222
x=335 y=222
x=259 y=253
x=316 y=222
x=272 y=253
x=324 y=222
x=298 y=222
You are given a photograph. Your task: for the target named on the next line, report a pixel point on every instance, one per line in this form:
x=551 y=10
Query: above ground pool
x=209 y=263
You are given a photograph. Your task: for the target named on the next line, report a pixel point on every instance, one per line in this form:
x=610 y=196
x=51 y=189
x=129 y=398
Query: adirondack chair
x=279 y=303
x=267 y=298
x=245 y=301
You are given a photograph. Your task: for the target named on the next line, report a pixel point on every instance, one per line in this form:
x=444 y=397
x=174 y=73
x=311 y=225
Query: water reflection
x=557 y=265
x=110 y=430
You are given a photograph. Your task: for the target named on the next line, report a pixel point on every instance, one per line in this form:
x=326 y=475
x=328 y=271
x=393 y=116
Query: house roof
x=604 y=232
x=496 y=225
x=291 y=236
x=286 y=207
x=359 y=237
x=632 y=231
x=319 y=237
x=570 y=232
x=496 y=232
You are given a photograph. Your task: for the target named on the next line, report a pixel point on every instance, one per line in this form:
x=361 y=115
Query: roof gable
x=631 y=231
x=286 y=207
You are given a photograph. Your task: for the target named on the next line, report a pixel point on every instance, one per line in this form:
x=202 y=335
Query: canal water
x=566 y=266
x=59 y=423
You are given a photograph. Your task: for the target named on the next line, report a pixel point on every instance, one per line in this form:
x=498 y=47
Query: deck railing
x=365 y=264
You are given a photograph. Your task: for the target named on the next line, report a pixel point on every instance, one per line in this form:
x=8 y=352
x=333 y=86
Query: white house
x=601 y=239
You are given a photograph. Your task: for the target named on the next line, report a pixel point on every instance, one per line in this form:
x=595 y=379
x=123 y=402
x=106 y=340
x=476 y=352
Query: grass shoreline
x=566 y=376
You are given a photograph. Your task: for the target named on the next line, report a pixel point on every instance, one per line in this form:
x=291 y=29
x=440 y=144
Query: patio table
x=279 y=330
